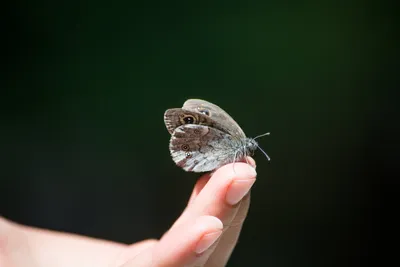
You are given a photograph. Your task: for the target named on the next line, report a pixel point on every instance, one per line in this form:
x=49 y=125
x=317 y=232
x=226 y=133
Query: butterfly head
x=252 y=145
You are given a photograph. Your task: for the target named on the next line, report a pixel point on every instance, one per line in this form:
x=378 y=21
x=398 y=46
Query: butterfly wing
x=175 y=117
x=217 y=114
x=199 y=148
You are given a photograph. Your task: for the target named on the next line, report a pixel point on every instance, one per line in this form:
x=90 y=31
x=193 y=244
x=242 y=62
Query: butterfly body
x=204 y=137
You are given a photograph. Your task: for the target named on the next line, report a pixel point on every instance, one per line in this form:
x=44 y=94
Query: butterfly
x=204 y=137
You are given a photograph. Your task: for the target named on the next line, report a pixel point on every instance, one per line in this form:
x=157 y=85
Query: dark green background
x=84 y=148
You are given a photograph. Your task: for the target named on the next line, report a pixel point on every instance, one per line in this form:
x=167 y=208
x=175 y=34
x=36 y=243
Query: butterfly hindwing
x=200 y=148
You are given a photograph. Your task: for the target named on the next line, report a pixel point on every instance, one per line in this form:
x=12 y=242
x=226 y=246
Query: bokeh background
x=85 y=84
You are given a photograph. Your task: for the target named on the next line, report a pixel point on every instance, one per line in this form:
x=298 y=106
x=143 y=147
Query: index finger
x=206 y=177
x=221 y=194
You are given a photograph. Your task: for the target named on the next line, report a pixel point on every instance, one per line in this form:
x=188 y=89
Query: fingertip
x=209 y=223
x=183 y=244
x=210 y=230
x=237 y=170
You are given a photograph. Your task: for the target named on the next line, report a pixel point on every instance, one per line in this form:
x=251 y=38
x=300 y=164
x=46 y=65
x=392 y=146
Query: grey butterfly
x=204 y=137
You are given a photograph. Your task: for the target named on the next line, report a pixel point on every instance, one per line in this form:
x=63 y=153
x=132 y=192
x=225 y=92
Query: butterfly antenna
x=261 y=135
x=264 y=152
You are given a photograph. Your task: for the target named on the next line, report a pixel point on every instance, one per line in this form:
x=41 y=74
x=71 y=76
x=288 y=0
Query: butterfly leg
x=245 y=156
x=247 y=161
x=234 y=161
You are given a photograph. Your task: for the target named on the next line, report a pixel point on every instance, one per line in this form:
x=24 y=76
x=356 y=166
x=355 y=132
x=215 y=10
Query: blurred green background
x=85 y=84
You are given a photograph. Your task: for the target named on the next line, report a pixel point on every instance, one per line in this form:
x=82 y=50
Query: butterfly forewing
x=176 y=117
x=217 y=114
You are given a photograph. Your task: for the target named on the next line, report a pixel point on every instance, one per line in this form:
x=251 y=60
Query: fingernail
x=238 y=189
x=252 y=162
x=207 y=241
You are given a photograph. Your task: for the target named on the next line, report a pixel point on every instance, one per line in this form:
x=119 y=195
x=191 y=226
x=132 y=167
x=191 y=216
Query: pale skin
x=204 y=235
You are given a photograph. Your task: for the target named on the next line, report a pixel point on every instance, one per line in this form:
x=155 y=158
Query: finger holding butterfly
x=206 y=138
x=224 y=195
x=207 y=231
x=220 y=194
x=203 y=180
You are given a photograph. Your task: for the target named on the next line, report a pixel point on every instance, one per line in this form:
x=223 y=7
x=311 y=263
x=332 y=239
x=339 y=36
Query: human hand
x=204 y=235
x=207 y=231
